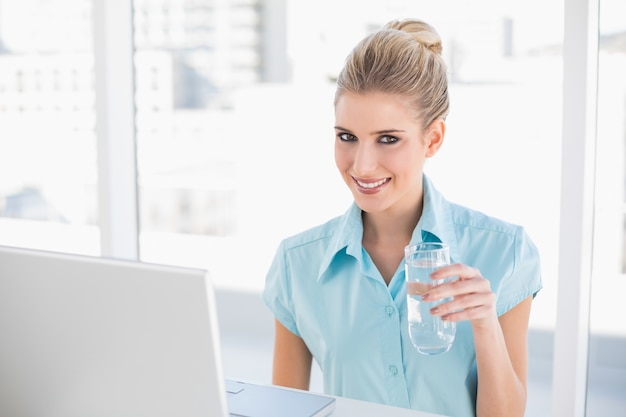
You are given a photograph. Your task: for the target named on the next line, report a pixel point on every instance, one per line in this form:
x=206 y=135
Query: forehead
x=373 y=111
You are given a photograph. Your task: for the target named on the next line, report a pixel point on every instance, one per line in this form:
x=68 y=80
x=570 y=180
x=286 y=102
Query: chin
x=369 y=206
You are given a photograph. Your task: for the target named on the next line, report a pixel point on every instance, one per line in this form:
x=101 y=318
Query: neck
x=391 y=226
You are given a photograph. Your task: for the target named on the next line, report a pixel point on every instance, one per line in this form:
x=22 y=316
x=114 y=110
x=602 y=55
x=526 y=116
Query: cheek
x=342 y=157
x=405 y=164
x=396 y=159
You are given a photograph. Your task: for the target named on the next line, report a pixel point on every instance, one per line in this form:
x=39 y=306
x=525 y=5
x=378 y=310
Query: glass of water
x=429 y=334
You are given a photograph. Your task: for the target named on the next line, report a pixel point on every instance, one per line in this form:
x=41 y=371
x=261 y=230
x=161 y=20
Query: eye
x=346 y=137
x=388 y=139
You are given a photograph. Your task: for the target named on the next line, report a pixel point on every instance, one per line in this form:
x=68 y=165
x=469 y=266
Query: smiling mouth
x=372 y=185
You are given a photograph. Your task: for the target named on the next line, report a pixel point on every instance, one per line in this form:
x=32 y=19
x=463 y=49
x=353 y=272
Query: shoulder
x=328 y=237
x=449 y=219
x=483 y=239
x=503 y=252
x=465 y=217
x=317 y=235
x=311 y=252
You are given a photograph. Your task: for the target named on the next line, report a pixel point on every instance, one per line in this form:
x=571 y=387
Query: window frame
x=115 y=128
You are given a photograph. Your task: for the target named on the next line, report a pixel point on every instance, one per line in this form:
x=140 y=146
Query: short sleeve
x=525 y=278
x=277 y=291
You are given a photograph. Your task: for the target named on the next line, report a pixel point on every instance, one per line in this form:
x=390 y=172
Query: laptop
x=92 y=336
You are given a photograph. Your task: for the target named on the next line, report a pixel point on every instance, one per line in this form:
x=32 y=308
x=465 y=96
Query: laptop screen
x=89 y=336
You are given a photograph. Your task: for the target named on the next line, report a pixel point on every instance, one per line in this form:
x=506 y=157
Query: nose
x=365 y=159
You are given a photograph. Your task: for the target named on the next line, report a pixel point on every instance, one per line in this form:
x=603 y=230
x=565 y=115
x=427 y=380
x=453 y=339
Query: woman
x=338 y=290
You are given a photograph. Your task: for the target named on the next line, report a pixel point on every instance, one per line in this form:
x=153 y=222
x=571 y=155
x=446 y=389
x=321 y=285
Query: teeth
x=371 y=184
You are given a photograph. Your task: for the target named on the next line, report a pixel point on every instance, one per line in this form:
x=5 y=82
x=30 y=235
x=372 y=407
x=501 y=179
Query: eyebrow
x=378 y=132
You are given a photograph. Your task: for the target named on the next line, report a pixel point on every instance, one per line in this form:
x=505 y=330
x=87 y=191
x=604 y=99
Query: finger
x=417 y=288
x=467 y=302
x=457 y=288
x=471 y=314
x=455 y=270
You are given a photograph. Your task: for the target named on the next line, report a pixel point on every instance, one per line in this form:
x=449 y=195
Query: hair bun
x=421 y=31
x=403 y=58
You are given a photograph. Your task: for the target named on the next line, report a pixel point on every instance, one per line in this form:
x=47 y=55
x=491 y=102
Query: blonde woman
x=338 y=290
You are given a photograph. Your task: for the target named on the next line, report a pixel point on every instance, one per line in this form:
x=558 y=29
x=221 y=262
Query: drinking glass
x=429 y=334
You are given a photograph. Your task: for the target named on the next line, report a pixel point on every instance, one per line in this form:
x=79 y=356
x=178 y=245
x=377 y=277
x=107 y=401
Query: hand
x=472 y=298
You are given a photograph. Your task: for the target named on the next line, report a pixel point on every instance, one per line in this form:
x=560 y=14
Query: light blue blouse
x=323 y=287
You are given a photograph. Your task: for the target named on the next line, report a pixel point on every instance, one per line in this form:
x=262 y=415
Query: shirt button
x=393 y=370
x=390 y=310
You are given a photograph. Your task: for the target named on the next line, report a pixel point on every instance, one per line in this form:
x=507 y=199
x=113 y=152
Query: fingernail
x=434 y=311
x=426 y=297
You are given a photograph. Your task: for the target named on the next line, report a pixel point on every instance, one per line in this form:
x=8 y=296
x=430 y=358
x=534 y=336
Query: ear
x=434 y=137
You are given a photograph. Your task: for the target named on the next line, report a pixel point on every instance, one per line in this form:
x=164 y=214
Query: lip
x=370 y=186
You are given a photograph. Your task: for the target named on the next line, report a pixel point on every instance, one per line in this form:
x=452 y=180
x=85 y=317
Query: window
x=239 y=137
x=48 y=177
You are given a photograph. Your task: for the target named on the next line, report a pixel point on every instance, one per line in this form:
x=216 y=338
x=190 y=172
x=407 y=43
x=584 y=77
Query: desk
x=346 y=407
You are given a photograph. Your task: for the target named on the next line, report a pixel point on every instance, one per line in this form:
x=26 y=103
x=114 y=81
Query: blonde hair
x=404 y=58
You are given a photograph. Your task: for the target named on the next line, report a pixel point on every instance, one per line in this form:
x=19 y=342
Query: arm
x=502 y=362
x=292 y=360
x=500 y=343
